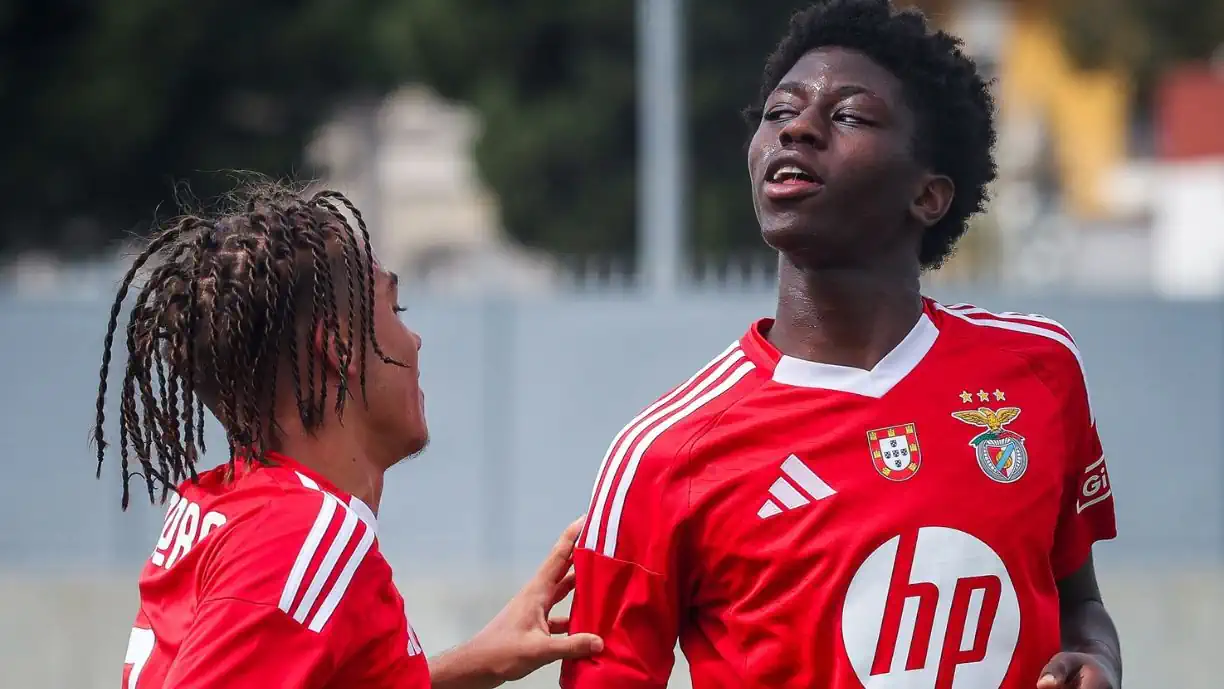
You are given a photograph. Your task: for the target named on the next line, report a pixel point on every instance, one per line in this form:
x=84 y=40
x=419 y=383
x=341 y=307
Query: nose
x=417 y=339
x=805 y=128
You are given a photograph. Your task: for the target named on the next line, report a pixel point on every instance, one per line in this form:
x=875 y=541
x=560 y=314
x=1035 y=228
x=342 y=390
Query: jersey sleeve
x=1086 y=514
x=288 y=598
x=629 y=580
x=245 y=645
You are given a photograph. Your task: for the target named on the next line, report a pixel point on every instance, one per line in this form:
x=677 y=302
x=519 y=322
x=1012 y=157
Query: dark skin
x=847 y=225
x=849 y=271
x=1091 y=657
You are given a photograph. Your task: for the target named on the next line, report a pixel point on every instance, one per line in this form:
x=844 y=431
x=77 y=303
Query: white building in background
x=1185 y=200
x=407 y=163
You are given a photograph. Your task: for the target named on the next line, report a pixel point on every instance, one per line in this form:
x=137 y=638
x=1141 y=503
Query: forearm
x=1088 y=628
x=459 y=668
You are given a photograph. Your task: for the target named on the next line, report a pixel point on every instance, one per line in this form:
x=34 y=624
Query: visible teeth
x=789 y=171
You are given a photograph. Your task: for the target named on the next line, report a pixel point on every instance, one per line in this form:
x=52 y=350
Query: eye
x=777 y=113
x=851 y=118
x=398 y=309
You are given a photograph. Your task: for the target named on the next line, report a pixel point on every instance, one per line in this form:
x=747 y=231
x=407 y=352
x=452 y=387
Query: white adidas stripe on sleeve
x=622 y=486
x=326 y=511
x=339 y=544
x=651 y=409
x=342 y=583
x=615 y=455
x=328 y=552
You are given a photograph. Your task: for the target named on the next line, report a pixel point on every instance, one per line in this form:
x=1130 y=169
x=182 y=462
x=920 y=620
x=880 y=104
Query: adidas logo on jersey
x=797 y=487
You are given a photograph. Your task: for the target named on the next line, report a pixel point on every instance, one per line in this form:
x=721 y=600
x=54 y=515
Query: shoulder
x=1047 y=345
x=666 y=428
x=655 y=442
x=299 y=547
x=641 y=475
x=1030 y=334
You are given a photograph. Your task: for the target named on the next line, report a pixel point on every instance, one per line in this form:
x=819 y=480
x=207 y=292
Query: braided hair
x=226 y=303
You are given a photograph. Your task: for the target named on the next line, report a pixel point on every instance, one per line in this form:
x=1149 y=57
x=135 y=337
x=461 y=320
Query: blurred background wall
x=563 y=187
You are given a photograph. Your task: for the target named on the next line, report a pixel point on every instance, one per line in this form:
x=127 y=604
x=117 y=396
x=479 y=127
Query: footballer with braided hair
x=870 y=488
x=277 y=317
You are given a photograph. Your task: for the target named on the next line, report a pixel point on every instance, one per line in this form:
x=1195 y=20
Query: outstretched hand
x=1076 y=671
x=524 y=637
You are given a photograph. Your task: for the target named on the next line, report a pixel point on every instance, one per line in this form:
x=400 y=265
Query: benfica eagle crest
x=1000 y=452
x=895 y=452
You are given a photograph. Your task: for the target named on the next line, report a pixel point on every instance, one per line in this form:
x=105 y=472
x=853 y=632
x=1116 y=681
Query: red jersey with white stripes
x=796 y=524
x=270 y=578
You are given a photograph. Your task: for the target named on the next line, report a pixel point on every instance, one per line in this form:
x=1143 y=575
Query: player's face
x=832 y=169
x=396 y=403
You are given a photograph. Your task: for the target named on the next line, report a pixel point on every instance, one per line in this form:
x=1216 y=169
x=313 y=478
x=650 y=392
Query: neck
x=851 y=316
x=338 y=454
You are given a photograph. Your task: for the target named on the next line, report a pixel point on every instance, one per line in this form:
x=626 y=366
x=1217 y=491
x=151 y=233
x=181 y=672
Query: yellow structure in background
x=1086 y=111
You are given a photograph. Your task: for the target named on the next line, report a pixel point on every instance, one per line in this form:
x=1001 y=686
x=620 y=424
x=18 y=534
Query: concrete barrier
x=69 y=631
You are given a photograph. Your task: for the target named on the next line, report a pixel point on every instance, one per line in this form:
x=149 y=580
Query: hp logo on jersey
x=935 y=608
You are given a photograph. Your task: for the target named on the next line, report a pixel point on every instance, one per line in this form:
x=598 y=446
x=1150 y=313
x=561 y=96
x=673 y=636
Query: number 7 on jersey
x=140 y=647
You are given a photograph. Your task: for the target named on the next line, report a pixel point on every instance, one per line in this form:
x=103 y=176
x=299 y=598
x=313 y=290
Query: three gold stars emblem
x=983 y=396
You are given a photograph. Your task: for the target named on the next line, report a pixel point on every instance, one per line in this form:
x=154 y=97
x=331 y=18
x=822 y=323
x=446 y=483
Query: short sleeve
x=244 y=645
x=290 y=597
x=1086 y=513
x=629 y=576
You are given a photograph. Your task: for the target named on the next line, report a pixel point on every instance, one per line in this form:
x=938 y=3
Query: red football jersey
x=797 y=524
x=271 y=578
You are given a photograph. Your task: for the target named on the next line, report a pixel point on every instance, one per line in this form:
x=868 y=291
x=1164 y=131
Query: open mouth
x=791 y=175
x=787 y=180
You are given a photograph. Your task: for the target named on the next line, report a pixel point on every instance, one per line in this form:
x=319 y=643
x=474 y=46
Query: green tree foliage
x=1144 y=36
x=106 y=105
x=555 y=82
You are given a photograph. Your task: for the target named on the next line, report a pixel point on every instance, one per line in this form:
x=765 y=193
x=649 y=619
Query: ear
x=933 y=199
x=330 y=349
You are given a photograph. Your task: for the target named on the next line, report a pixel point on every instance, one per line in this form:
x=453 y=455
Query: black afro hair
x=951 y=101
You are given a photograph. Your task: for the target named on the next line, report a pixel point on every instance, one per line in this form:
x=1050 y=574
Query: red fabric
x=271 y=579
x=933 y=564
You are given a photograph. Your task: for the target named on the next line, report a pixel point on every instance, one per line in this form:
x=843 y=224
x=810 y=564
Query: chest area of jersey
x=913 y=529
x=987 y=448
x=970 y=467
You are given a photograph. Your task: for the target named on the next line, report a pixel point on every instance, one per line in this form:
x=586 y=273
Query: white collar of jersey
x=892 y=369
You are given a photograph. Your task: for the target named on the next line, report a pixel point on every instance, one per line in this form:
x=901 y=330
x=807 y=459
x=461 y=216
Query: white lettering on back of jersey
x=140 y=647
x=936 y=609
x=183 y=529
